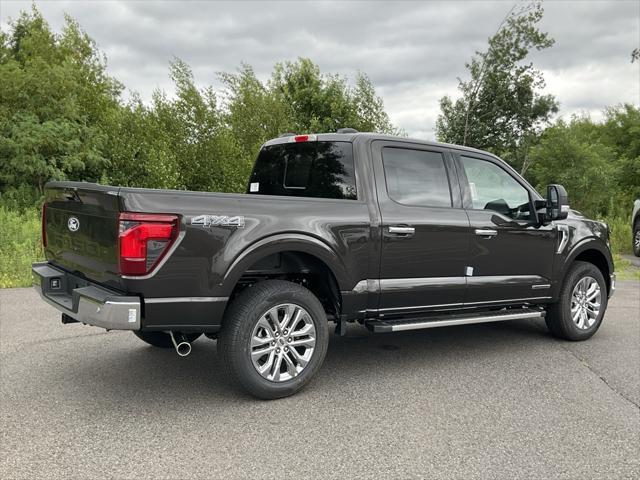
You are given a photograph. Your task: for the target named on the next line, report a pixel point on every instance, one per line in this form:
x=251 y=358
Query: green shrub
x=620 y=233
x=20 y=245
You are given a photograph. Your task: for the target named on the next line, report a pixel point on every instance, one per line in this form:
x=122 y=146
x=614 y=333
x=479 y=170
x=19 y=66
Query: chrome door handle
x=402 y=230
x=486 y=232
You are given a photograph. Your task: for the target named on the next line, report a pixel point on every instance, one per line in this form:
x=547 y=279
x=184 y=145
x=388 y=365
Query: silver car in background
x=635 y=225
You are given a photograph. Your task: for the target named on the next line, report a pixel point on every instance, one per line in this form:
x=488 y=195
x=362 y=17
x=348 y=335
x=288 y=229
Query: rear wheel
x=274 y=338
x=162 y=339
x=636 y=239
x=583 y=300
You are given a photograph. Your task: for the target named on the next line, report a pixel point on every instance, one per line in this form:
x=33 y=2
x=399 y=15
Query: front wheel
x=636 y=239
x=274 y=338
x=583 y=300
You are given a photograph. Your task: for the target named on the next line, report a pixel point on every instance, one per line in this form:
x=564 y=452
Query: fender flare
x=285 y=243
x=590 y=243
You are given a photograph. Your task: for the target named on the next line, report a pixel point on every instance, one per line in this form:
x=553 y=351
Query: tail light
x=44 y=225
x=143 y=241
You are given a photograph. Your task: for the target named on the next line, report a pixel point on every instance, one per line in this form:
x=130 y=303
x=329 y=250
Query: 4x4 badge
x=218 y=221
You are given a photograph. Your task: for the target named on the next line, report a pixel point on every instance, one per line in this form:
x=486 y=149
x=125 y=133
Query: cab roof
x=367 y=137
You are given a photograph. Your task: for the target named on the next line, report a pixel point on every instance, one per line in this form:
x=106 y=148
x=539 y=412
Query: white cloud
x=412 y=51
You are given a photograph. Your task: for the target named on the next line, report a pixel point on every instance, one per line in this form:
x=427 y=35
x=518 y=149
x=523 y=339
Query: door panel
x=425 y=240
x=511 y=256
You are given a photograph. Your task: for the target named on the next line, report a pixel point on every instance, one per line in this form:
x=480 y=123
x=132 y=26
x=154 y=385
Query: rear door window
x=305 y=169
x=416 y=177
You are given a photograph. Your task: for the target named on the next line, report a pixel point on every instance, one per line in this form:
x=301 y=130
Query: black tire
x=558 y=319
x=242 y=316
x=636 y=238
x=162 y=339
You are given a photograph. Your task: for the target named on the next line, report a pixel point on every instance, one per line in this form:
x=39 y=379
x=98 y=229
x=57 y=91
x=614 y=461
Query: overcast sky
x=412 y=51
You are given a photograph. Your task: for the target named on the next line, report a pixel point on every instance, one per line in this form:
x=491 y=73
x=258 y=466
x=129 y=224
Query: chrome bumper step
x=385 y=326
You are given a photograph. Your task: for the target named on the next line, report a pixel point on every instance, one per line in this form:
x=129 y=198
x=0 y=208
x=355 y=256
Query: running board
x=385 y=326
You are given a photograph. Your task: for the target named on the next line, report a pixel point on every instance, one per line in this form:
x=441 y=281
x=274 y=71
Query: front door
x=425 y=230
x=510 y=255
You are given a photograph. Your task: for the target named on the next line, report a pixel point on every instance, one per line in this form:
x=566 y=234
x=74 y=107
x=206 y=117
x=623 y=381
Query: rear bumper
x=84 y=301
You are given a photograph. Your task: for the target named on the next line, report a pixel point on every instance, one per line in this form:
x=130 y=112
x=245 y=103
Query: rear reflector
x=143 y=240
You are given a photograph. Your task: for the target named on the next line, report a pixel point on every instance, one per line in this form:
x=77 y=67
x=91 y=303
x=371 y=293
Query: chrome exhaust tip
x=180 y=343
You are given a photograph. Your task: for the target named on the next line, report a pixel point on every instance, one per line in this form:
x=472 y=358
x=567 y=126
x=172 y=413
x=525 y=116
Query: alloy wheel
x=586 y=300
x=282 y=342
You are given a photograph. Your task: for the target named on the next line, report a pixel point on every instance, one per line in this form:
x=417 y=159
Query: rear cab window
x=318 y=169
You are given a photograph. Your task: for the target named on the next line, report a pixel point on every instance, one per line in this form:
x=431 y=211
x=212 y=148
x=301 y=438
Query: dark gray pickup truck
x=393 y=233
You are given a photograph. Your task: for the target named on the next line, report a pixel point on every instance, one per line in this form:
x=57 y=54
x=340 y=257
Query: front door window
x=493 y=188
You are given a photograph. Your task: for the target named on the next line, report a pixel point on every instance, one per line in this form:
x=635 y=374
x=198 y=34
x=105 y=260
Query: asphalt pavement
x=635 y=261
x=501 y=400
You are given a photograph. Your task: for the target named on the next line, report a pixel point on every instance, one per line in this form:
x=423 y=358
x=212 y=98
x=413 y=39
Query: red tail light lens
x=44 y=225
x=144 y=240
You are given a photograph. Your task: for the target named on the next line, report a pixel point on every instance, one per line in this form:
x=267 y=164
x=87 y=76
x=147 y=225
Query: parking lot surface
x=501 y=400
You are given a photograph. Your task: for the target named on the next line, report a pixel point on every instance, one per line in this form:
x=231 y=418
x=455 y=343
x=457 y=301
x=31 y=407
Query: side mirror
x=557 y=202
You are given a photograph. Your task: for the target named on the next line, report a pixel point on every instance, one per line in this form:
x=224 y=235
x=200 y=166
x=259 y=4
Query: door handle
x=486 y=232
x=402 y=230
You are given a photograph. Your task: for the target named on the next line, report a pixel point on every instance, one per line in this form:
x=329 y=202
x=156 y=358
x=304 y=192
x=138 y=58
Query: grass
x=20 y=246
x=624 y=269
x=620 y=228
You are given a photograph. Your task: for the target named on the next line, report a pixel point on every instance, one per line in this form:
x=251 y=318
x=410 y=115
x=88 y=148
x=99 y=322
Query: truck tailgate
x=80 y=227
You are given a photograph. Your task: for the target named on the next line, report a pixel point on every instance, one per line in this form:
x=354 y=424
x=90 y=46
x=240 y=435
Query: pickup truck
x=394 y=233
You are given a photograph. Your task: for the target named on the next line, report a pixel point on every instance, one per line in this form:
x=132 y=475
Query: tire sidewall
x=249 y=376
x=578 y=272
x=636 y=230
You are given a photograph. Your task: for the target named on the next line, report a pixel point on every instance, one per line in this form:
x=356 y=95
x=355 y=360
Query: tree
x=575 y=155
x=298 y=98
x=63 y=117
x=621 y=130
x=54 y=98
x=205 y=152
x=501 y=108
x=253 y=112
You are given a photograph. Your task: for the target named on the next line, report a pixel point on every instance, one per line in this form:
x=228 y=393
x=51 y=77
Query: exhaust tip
x=183 y=349
x=180 y=343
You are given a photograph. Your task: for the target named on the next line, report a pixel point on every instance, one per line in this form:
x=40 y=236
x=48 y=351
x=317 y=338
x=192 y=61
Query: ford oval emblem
x=73 y=223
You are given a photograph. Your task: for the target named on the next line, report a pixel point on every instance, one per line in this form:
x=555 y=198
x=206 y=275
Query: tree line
x=502 y=109
x=62 y=116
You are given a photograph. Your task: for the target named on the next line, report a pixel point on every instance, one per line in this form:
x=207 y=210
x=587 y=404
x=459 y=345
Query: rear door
x=510 y=255
x=425 y=230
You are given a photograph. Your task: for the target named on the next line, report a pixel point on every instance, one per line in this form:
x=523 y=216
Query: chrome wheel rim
x=282 y=342
x=585 y=302
x=636 y=240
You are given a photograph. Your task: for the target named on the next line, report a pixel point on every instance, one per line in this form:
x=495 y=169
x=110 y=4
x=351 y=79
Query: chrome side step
x=384 y=326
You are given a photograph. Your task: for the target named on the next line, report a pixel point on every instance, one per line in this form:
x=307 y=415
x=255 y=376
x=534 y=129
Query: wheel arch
x=295 y=257
x=591 y=251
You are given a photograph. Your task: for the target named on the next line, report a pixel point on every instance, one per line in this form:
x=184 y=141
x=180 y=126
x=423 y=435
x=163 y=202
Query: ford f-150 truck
x=393 y=233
